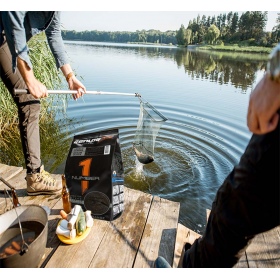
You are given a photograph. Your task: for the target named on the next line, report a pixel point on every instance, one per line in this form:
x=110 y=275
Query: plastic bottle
x=65 y=196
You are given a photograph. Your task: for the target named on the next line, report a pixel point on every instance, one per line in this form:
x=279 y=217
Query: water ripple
x=193 y=151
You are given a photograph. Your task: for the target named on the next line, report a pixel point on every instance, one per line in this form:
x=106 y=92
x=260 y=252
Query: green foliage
x=143 y=36
x=232 y=29
x=220 y=43
x=180 y=36
x=276 y=30
x=212 y=34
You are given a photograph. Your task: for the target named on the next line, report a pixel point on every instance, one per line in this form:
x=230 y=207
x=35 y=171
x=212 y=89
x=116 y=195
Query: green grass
x=236 y=48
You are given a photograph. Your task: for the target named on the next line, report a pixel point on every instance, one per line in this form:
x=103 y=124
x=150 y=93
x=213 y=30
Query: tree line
x=227 y=28
x=143 y=36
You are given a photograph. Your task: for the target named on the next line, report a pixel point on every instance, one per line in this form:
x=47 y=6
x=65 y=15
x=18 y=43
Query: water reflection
x=223 y=68
x=237 y=69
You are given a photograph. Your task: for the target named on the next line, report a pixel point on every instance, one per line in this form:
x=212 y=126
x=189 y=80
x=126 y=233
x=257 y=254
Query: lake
x=204 y=96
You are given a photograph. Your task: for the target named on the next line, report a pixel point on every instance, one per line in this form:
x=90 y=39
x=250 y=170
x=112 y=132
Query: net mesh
x=149 y=123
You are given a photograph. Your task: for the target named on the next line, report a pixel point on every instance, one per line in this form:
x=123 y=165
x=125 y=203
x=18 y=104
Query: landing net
x=149 y=123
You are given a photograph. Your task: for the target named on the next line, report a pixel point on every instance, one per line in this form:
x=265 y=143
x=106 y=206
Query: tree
x=234 y=23
x=188 y=34
x=212 y=34
x=180 y=36
x=276 y=30
x=252 y=25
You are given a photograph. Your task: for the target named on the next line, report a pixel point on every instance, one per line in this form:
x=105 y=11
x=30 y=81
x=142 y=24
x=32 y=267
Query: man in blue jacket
x=16 y=28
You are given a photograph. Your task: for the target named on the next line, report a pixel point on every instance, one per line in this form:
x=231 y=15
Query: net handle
x=24 y=91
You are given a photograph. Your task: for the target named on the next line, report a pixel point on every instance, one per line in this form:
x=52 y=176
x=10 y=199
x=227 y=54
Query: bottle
x=65 y=196
x=15 y=198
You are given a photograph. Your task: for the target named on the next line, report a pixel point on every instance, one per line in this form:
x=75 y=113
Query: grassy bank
x=236 y=48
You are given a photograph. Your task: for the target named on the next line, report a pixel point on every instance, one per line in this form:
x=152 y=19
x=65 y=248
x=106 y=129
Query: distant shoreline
x=228 y=48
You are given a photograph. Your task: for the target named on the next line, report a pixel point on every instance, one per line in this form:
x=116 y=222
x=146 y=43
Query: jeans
x=246 y=204
x=28 y=111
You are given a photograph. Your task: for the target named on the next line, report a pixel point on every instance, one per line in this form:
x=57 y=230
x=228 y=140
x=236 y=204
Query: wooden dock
x=147 y=228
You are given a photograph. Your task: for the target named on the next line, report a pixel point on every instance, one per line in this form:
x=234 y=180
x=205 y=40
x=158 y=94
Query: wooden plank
x=68 y=255
x=160 y=233
x=7 y=172
x=121 y=236
x=80 y=254
x=243 y=261
x=124 y=234
x=184 y=235
x=19 y=183
x=263 y=252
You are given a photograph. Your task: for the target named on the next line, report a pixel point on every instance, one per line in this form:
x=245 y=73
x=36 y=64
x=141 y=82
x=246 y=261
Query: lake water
x=204 y=96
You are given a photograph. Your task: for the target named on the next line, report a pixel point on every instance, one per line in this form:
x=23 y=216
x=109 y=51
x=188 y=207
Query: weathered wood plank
x=160 y=233
x=264 y=250
x=105 y=239
x=131 y=240
x=62 y=256
x=78 y=255
x=184 y=235
x=69 y=255
x=7 y=172
x=243 y=262
x=19 y=183
x=120 y=243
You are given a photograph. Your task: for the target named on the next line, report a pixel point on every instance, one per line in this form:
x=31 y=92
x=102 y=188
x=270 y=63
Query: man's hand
x=262 y=116
x=75 y=84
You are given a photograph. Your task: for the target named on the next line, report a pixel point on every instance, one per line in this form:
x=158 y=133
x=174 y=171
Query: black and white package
x=94 y=174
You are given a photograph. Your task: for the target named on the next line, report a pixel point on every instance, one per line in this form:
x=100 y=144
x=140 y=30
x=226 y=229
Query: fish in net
x=149 y=123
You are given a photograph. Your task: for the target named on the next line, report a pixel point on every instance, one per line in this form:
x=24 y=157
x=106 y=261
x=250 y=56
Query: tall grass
x=45 y=71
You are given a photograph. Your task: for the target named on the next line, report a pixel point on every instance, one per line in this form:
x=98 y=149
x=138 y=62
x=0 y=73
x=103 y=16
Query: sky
x=131 y=15
x=138 y=20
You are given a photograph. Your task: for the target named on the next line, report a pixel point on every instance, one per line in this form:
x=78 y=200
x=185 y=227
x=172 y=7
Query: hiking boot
x=43 y=183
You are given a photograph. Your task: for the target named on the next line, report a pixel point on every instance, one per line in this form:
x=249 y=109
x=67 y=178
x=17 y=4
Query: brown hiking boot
x=43 y=183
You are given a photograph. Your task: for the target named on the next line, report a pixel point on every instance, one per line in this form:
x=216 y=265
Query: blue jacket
x=19 y=27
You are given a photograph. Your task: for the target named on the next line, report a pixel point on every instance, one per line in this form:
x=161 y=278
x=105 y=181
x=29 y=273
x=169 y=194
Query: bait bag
x=95 y=175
